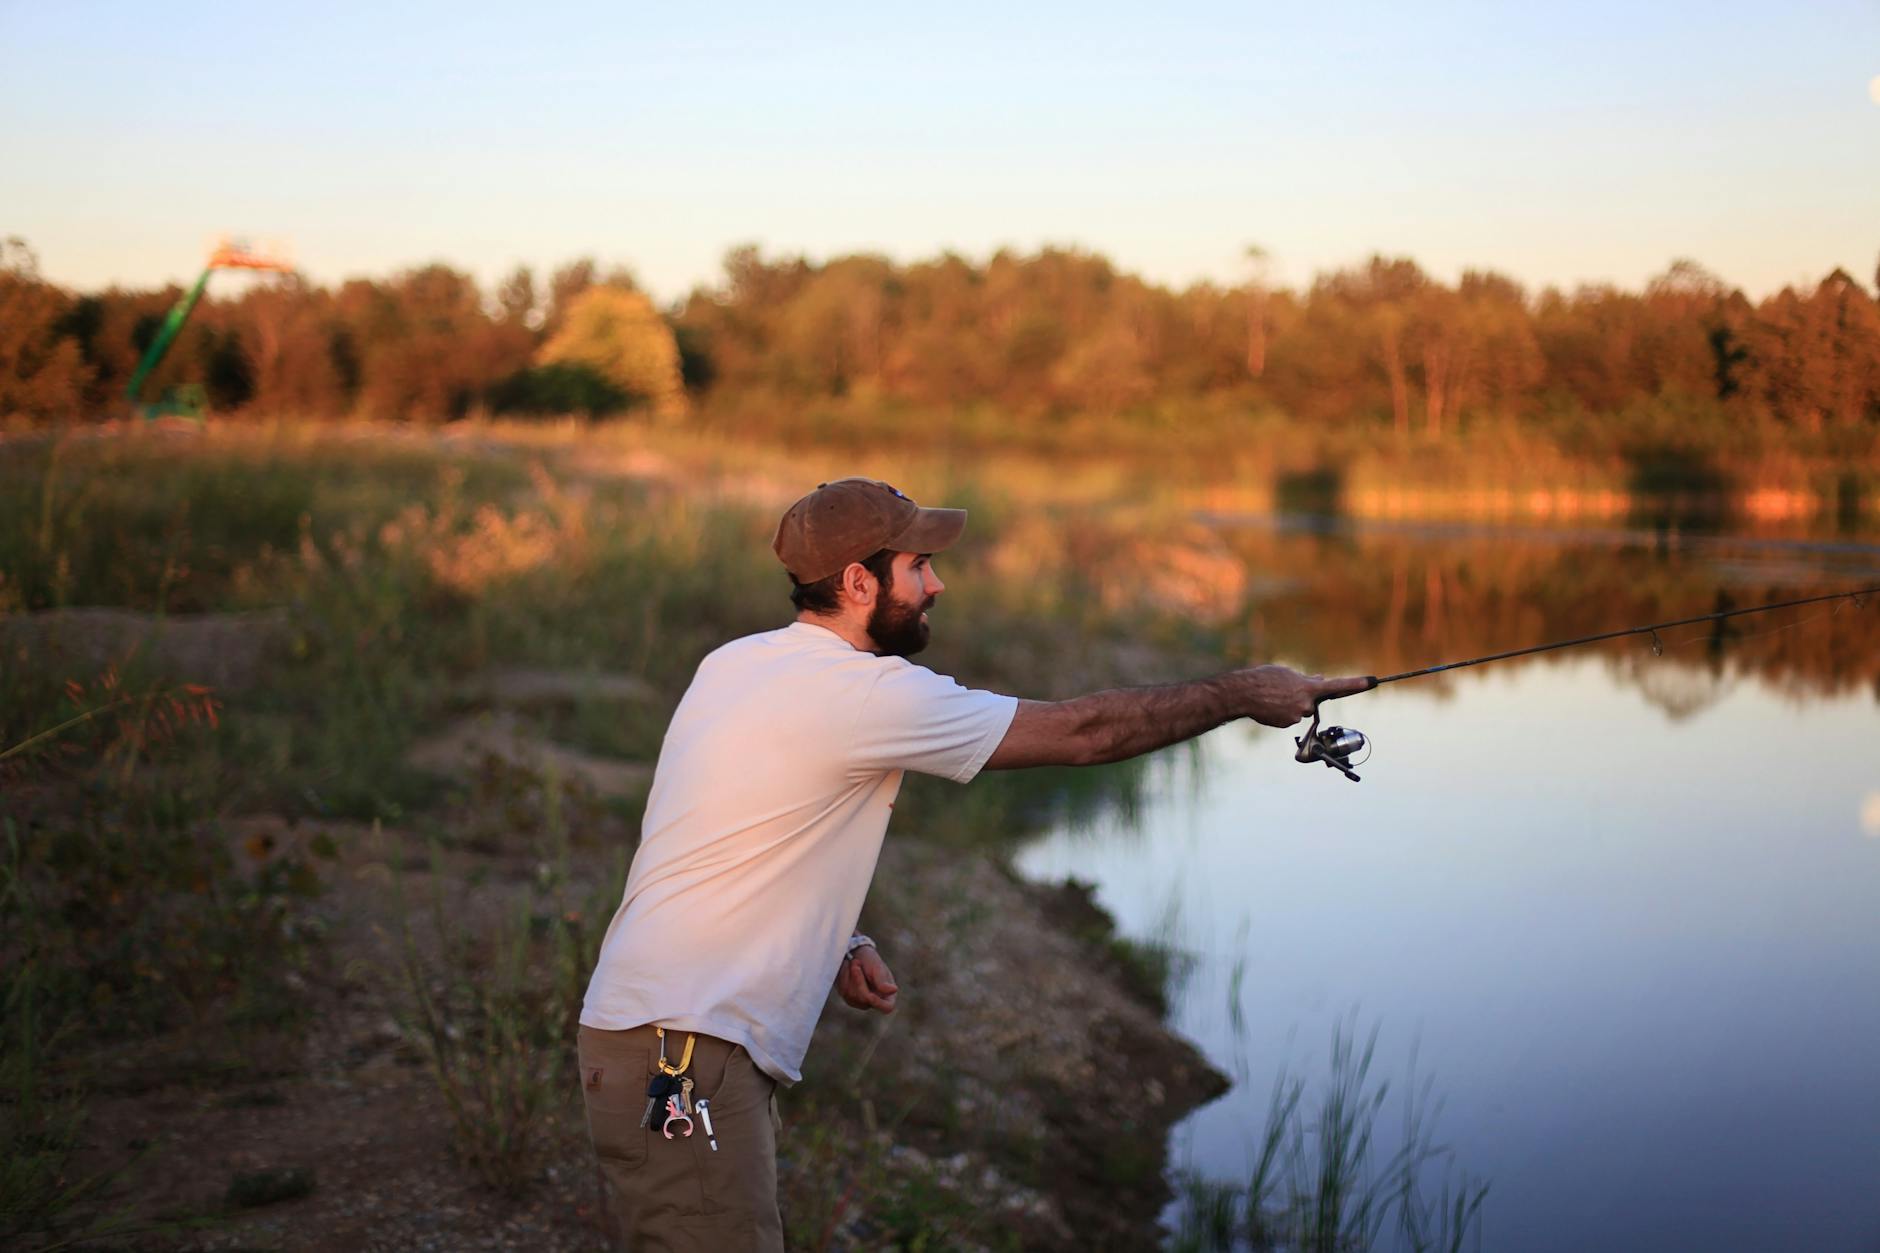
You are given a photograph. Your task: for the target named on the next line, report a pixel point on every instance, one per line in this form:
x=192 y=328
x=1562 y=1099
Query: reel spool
x=1335 y=746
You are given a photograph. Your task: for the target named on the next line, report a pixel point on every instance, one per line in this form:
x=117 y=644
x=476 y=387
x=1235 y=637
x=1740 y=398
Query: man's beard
x=896 y=627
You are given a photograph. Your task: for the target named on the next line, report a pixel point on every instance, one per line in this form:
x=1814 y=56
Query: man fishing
x=766 y=816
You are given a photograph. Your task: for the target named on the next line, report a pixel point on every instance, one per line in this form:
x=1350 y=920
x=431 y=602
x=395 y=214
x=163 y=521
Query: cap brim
x=930 y=531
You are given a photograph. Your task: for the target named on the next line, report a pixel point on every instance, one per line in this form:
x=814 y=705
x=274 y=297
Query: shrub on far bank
x=558 y=388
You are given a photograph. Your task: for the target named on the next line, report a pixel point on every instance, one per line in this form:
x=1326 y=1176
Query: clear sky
x=1556 y=143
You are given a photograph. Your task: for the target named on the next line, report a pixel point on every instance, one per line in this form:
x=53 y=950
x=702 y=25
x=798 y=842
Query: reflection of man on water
x=766 y=816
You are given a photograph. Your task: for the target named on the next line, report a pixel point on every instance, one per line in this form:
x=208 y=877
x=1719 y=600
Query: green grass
x=48 y=990
x=492 y=1013
x=1323 y=1181
x=168 y=522
x=401 y=572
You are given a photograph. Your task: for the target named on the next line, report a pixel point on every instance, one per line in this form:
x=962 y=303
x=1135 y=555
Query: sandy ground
x=1019 y=1082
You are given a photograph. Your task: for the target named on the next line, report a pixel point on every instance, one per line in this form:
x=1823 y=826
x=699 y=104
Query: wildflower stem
x=69 y=723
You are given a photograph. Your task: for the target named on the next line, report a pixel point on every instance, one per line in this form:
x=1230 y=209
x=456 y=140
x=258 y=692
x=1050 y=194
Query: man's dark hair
x=822 y=595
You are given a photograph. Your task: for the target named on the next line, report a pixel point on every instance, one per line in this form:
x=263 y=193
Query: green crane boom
x=227 y=256
x=166 y=334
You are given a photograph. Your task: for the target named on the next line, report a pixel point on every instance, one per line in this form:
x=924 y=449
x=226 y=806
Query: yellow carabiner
x=685 y=1059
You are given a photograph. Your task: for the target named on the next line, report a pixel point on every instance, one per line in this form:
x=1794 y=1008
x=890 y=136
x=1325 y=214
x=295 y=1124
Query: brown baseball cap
x=845 y=520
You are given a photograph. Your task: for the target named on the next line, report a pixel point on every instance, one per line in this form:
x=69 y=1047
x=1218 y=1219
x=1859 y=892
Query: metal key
x=657 y=1090
x=685 y=1096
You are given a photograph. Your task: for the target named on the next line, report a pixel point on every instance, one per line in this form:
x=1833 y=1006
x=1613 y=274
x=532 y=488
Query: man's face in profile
x=898 y=622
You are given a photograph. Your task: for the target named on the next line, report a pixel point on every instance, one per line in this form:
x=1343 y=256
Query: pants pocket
x=613 y=1088
x=740 y=1176
x=739 y=1086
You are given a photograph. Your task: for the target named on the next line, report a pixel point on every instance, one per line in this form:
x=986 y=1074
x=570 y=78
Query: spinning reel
x=1335 y=746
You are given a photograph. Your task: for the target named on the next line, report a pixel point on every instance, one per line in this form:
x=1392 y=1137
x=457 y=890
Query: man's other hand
x=865 y=982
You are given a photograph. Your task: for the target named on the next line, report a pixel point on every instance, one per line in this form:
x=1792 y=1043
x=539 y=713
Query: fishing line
x=1660 y=647
x=1336 y=746
x=1746 y=636
x=1649 y=629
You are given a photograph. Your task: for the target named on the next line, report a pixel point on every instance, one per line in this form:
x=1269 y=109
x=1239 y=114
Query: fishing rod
x=1336 y=746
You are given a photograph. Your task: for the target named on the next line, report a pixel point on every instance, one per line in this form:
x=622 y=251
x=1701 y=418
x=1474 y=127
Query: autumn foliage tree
x=42 y=370
x=616 y=332
x=1381 y=346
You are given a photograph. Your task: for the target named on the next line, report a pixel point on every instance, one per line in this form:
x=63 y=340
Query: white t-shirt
x=762 y=830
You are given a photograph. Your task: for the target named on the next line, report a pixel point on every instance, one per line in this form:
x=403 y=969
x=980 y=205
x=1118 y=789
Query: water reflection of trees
x=1679 y=691
x=1384 y=602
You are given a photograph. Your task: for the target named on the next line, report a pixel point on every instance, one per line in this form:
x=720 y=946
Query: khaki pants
x=678 y=1194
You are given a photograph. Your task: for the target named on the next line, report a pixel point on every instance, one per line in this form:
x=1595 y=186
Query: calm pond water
x=1623 y=909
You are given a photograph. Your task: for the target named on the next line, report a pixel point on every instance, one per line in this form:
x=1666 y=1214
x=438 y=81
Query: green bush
x=563 y=387
x=42 y=1098
x=133 y=911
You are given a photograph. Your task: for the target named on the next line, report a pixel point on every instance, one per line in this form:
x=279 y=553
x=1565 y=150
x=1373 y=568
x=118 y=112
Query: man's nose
x=934 y=585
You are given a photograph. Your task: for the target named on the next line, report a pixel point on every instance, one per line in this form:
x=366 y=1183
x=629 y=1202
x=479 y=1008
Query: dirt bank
x=1021 y=1096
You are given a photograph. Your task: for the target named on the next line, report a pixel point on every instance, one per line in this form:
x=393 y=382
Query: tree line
x=1381 y=344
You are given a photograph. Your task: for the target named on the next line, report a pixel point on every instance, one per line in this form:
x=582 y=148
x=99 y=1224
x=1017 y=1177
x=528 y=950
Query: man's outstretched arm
x=1127 y=722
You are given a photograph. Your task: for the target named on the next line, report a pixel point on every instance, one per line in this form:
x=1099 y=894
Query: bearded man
x=765 y=819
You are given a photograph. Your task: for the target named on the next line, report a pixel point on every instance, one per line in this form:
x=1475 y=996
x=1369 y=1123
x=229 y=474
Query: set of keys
x=669 y=1096
x=669 y=1092
x=668 y=1105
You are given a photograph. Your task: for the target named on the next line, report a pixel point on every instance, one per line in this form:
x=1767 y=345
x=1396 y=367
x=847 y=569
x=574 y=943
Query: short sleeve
x=914 y=719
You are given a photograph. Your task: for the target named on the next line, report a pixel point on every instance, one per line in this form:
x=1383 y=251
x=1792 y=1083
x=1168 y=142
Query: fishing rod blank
x=1652 y=628
x=1335 y=746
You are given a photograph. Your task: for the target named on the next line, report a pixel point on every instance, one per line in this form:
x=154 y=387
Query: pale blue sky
x=1557 y=143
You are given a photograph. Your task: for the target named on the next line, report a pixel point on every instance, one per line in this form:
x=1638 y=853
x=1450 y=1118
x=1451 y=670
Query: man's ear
x=859 y=584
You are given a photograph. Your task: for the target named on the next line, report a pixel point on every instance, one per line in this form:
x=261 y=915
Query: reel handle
x=1313 y=746
x=1308 y=744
